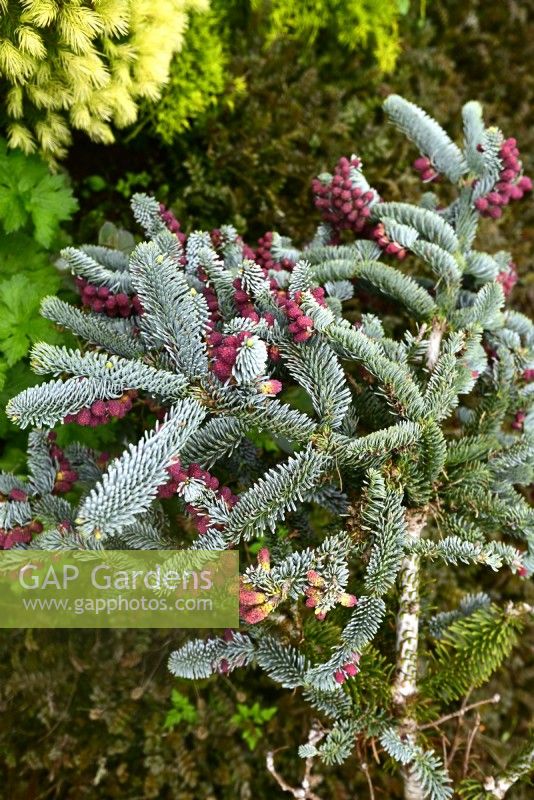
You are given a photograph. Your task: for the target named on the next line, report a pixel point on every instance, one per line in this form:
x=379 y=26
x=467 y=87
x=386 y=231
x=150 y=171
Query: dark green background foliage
x=83 y=713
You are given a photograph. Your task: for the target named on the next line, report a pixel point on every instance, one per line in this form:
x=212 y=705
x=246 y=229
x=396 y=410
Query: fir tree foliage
x=413 y=447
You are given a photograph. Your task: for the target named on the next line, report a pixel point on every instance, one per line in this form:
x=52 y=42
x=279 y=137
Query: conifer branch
x=520 y=766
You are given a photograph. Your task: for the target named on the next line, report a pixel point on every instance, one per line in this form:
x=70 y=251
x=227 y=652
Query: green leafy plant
x=33 y=204
x=182 y=710
x=250 y=721
x=21 y=295
x=31 y=198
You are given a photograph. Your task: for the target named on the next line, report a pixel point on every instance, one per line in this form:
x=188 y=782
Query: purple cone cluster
x=348 y=670
x=510 y=184
x=425 y=168
x=300 y=325
x=518 y=421
x=243 y=302
x=178 y=478
x=172 y=223
x=19 y=534
x=223 y=352
x=210 y=296
x=388 y=245
x=103 y=411
x=315 y=593
x=508 y=278
x=103 y=301
x=66 y=476
x=264 y=257
x=342 y=204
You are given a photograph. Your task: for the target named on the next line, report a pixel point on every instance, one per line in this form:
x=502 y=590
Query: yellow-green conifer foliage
x=198 y=78
x=354 y=24
x=83 y=64
x=215 y=66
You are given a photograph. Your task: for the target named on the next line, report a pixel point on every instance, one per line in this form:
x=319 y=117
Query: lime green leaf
x=182 y=711
x=31 y=198
x=20 y=324
x=20 y=253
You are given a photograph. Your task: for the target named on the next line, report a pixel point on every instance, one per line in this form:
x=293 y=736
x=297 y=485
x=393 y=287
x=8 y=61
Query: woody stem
x=405 y=682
